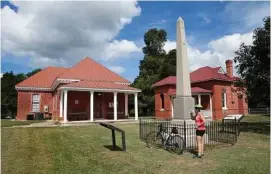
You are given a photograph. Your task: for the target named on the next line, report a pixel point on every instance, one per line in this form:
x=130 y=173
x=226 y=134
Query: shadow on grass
x=110 y=147
x=255 y=127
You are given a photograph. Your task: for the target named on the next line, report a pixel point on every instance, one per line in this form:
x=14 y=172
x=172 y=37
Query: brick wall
x=24 y=105
x=234 y=103
x=167 y=111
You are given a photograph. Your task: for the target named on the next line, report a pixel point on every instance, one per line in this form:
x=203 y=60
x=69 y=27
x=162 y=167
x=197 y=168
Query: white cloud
x=217 y=53
x=61 y=36
x=117 y=69
x=157 y=23
x=169 y=45
x=246 y=15
x=117 y=49
x=1 y=75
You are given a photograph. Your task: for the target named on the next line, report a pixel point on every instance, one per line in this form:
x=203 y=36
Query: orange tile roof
x=88 y=69
x=200 y=75
x=90 y=73
x=98 y=85
x=42 y=79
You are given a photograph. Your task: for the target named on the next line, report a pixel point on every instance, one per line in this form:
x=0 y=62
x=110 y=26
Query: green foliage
x=9 y=93
x=155 y=66
x=33 y=72
x=254 y=65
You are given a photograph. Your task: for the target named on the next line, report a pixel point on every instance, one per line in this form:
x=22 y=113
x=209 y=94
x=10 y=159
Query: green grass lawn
x=9 y=123
x=256 y=118
x=82 y=150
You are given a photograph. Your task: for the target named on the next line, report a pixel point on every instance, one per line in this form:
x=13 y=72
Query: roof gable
x=88 y=69
x=202 y=74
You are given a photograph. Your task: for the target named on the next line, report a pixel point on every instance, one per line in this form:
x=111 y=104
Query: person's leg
x=199 y=147
x=198 y=144
x=202 y=145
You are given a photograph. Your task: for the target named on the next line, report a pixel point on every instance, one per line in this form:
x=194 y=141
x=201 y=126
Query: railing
x=217 y=132
x=113 y=129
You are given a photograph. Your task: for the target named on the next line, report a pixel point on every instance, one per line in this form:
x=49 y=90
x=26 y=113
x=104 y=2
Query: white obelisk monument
x=184 y=102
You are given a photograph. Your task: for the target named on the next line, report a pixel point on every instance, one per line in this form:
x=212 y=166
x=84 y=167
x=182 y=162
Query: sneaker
x=197 y=156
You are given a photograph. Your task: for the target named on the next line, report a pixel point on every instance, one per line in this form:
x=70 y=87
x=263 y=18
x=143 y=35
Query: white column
x=199 y=99
x=91 y=106
x=172 y=112
x=126 y=104
x=65 y=105
x=136 y=107
x=211 y=107
x=61 y=104
x=115 y=106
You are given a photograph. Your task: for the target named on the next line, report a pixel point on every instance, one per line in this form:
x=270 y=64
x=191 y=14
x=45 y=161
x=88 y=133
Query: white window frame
x=32 y=103
x=225 y=100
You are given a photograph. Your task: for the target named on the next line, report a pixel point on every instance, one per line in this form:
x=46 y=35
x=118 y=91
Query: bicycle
x=172 y=142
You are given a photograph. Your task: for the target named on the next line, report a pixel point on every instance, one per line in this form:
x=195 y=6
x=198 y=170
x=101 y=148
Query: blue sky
x=213 y=31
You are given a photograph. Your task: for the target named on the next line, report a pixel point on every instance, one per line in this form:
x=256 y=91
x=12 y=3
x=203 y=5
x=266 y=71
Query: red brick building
x=85 y=91
x=213 y=88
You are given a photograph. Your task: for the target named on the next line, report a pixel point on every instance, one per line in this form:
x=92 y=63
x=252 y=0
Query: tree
x=254 y=65
x=150 y=67
x=169 y=65
x=9 y=93
x=33 y=72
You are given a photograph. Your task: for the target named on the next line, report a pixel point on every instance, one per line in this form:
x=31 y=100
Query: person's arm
x=203 y=119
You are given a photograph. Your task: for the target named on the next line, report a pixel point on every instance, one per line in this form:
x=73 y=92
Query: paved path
x=50 y=123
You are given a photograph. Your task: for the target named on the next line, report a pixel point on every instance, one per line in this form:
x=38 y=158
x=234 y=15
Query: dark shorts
x=200 y=132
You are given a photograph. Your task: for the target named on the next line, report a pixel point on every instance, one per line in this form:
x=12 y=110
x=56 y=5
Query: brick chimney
x=229 y=68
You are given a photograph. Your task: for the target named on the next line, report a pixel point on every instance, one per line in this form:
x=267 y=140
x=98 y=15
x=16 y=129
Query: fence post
x=140 y=132
x=184 y=134
x=235 y=130
x=266 y=111
x=249 y=112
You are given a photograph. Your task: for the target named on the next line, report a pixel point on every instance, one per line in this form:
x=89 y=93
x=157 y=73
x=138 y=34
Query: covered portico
x=96 y=101
x=201 y=96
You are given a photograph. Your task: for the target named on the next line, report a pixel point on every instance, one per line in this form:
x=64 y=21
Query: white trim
x=59 y=80
x=225 y=101
x=199 y=99
x=136 y=107
x=115 y=106
x=61 y=104
x=32 y=89
x=65 y=106
x=71 y=80
x=121 y=83
x=98 y=89
x=91 y=105
x=32 y=102
x=172 y=107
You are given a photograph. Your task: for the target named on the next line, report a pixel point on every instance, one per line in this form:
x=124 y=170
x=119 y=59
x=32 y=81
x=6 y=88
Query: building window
x=35 y=102
x=224 y=99
x=162 y=101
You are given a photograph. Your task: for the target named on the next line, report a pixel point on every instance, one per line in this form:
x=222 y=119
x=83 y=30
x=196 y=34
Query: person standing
x=200 y=130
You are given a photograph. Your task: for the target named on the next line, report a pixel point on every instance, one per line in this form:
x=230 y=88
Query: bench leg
x=113 y=139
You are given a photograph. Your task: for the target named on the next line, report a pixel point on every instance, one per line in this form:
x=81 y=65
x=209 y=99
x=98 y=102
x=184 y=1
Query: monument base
x=189 y=134
x=183 y=106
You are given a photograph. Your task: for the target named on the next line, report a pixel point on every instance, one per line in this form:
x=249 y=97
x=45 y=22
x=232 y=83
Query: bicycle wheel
x=154 y=139
x=175 y=144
